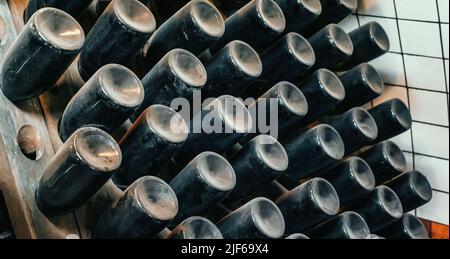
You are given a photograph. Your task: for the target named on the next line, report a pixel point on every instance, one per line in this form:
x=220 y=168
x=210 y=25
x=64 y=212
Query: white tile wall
x=424 y=10
x=420 y=38
x=416 y=70
x=444 y=29
x=425 y=73
x=430 y=107
x=443 y=10
x=446 y=73
x=430 y=140
x=409 y=161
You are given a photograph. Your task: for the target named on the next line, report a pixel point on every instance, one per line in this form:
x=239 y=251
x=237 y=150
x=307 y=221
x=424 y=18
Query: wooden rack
x=28 y=140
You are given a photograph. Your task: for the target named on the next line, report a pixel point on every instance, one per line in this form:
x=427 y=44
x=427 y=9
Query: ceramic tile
x=425 y=73
x=425 y=10
x=430 y=107
x=446 y=73
x=444 y=29
x=409 y=161
x=443 y=10
x=420 y=38
x=431 y=140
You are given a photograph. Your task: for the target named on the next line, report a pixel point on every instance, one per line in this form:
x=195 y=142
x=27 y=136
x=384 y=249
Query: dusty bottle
x=299 y=14
x=150 y=143
x=356 y=127
x=370 y=41
x=362 y=84
x=6 y=229
x=315 y=149
x=217 y=127
x=386 y=160
x=7 y=235
x=374 y=236
x=352 y=179
x=333 y=11
x=117 y=36
x=408 y=227
x=260 y=218
x=323 y=91
x=311 y=203
x=203 y=183
x=348 y=225
x=261 y=161
x=163 y=234
x=74 y=8
x=297 y=236
x=381 y=208
x=42 y=52
x=113 y=90
x=298 y=57
x=194 y=28
x=258 y=23
x=196 y=228
x=413 y=189
x=231 y=70
x=78 y=170
x=291 y=105
x=177 y=75
x=145 y=208
x=101 y=5
x=392 y=117
x=332 y=46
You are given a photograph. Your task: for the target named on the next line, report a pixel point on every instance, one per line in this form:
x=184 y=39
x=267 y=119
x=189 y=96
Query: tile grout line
x=431 y=124
x=426 y=155
x=405 y=78
x=443 y=58
x=423 y=89
x=416 y=88
x=440 y=191
x=419 y=55
x=401 y=19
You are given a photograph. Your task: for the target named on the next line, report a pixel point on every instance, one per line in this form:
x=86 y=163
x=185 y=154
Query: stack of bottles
x=331 y=173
